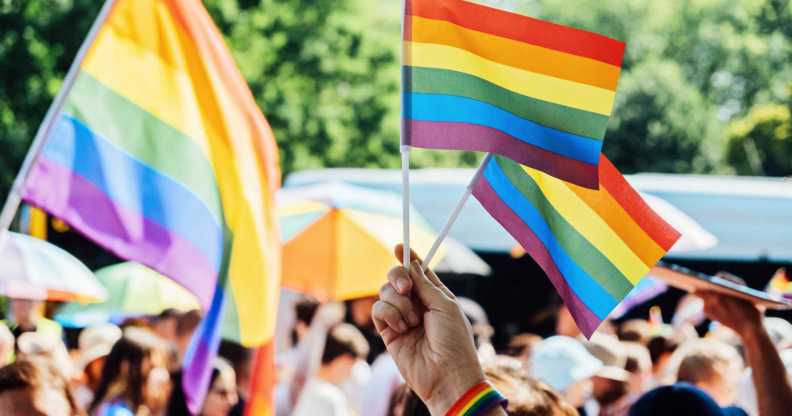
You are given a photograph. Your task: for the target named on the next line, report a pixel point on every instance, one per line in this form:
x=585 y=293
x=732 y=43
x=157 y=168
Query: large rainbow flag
x=161 y=156
x=482 y=79
x=594 y=245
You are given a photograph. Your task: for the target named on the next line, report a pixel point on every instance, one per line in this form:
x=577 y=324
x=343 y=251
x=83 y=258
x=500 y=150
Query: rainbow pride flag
x=161 y=156
x=780 y=284
x=594 y=245
x=482 y=79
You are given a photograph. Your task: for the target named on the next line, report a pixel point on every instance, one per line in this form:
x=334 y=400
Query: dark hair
x=304 y=312
x=344 y=339
x=133 y=353
x=236 y=354
x=177 y=404
x=187 y=322
x=169 y=313
x=659 y=346
x=31 y=374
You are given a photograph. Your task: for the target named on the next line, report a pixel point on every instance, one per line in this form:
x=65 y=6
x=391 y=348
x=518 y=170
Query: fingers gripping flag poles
x=537 y=94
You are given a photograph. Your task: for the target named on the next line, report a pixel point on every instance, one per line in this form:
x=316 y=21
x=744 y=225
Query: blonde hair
x=702 y=360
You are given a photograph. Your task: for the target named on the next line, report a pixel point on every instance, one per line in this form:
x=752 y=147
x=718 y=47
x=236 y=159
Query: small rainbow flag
x=482 y=79
x=161 y=156
x=594 y=245
x=780 y=284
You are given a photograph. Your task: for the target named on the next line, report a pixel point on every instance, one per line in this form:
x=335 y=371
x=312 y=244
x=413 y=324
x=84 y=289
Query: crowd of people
x=412 y=350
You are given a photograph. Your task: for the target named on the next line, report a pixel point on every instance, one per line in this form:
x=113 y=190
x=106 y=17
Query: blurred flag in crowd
x=594 y=245
x=161 y=155
x=482 y=79
x=780 y=283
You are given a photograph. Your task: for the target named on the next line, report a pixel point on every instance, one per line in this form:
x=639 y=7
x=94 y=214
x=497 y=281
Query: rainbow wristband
x=477 y=400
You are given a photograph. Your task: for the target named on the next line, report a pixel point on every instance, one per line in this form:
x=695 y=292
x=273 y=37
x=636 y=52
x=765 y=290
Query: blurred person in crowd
x=242 y=361
x=527 y=396
x=296 y=366
x=322 y=395
x=135 y=378
x=565 y=324
x=47 y=348
x=139 y=322
x=746 y=392
x=7 y=345
x=185 y=327
x=566 y=365
x=768 y=372
x=26 y=315
x=635 y=330
x=661 y=348
x=34 y=388
x=304 y=311
x=680 y=400
x=521 y=346
x=710 y=365
x=639 y=365
x=384 y=383
x=482 y=330
x=610 y=383
x=220 y=399
x=780 y=332
x=359 y=314
x=164 y=324
x=94 y=345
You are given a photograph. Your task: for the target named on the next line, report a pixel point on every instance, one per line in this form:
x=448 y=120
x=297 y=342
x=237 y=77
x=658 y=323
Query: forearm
x=773 y=391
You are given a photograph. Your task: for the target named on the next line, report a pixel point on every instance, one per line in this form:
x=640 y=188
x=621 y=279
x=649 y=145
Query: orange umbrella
x=338 y=239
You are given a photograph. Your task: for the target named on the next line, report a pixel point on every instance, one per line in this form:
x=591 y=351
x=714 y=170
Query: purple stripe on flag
x=585 y=318
x=56 y=189
x=465 y=136
x=199 y=358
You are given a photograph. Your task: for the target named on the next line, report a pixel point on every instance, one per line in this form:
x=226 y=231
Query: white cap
x=96 y=342
x=562 y=361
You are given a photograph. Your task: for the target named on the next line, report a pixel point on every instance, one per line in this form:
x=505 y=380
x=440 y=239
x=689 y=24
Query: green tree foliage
x=761 y=142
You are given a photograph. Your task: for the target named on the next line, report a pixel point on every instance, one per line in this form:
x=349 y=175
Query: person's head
x=48 y=348
x=566 y=365
x=521 y=346
x=635 y=330
x=32 y=387
x=345 y=345
x=185 y=327
x=241 y=359
x=639 y=365
x=94 y=344
x=221 y=397
x=661 y=348
x=25 y=311
x=136 y=372
x=610 y=382
x=679 y=399
x=360 y=311
x=713 y=366
x=7 y=343
x=304 y=312
x=164 y=324
x=527 y=396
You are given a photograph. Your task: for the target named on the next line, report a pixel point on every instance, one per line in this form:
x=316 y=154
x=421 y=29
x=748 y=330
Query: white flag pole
x=455 y=214
x=405 y=156
x=14 y=197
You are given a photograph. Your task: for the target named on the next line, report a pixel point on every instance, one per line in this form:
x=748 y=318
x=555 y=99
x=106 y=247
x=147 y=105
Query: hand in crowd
x=741 y=316
x=427 y=334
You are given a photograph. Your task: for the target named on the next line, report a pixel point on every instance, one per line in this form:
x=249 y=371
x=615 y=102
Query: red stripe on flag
x=521 y=28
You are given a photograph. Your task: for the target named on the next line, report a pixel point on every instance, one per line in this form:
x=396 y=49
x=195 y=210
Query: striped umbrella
x=338 y=239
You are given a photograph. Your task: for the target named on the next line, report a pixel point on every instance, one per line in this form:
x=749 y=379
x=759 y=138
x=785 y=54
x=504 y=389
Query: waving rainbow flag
x=594 y=245
x=161 y=156
x=478 y=78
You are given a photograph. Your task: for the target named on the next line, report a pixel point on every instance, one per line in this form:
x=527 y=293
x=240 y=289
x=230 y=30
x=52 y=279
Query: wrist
x=453 y=386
